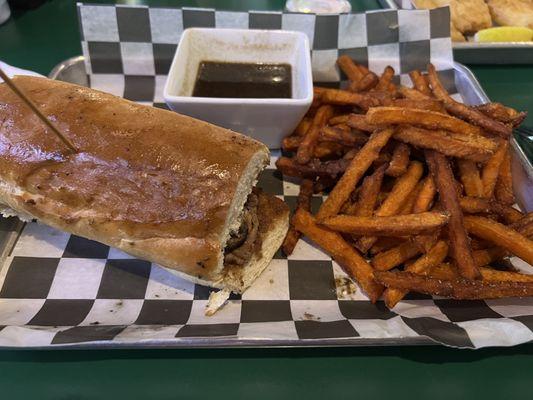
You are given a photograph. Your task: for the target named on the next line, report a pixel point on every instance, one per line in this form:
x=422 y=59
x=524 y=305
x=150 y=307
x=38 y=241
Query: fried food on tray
x=501 y=113
x=432 y=258
x=470 y=178
x=419 y=184
x=344 y=254
x=306 y=148
x=467 y=16
x=368 y=195
x=394 y=257
x=470 y=16
x=394 y=200
x=455 y=288
x=501 y=235
x=427 y=119
x=399 y=161
x=304 y=203
x=399 y=225
x=462 y=111
x=512 y=12
x=357 y=168
x=475 y=148
x=441 y=170
x=491 y=170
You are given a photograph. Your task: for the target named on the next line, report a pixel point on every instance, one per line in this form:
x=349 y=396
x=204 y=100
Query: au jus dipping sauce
x=243 y=80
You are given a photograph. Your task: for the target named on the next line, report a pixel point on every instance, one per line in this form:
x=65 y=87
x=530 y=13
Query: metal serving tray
x=485 y=53
x=73 y=70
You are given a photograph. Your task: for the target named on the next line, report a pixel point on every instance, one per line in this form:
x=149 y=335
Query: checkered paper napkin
x=60 y=289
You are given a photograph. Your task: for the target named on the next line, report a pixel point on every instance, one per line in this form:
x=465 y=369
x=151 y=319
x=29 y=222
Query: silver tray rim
x=231 y=342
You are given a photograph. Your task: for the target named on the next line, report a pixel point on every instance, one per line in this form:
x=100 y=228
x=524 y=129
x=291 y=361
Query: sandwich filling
x=246 y=241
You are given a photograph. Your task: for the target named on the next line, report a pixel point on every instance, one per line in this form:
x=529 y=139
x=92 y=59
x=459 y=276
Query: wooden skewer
x=34 y=108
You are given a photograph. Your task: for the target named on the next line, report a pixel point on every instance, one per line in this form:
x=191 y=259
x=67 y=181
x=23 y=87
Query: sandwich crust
x=151 y=182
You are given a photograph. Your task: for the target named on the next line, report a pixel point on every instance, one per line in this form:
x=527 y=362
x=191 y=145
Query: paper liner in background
x=60 y=289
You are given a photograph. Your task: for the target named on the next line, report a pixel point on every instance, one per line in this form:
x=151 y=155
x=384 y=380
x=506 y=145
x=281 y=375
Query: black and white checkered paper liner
x=60 y=289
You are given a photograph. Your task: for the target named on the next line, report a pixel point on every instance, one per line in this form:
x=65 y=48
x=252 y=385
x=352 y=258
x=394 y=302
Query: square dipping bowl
x=268 y=120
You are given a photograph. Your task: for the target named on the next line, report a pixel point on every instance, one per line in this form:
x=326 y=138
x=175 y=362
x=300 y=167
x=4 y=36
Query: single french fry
x=504 y=184
x=316 y=168
x=475 y=148
x=391 y=258
x=369 y=81
x=447 y=272
x=460 y=289
x=400 y=160
x=385 y=79
x=422 y=266
x=509 y=214
x=409 y=202
x=501 y=113
x=318 y=91
x=307 y=146
x=414 y=94
x=344 y=254
x=460 y=250
x=385 y=243
x=422 y=203
x=422 y=104
x=303 y=127
x=346 y=98
x=304 y=203
x=425 y=196
x=358 y=121
x=491 y=274
x=401 y=190
x=501 y=235
x=339 y=119
x=525 y=220
x=470 y=178
x=328 y=150
x=347 y=65
x=382 y=97
x=362 y=68
x=525 y=225
x=463 y=111
x=291 y=143
x=357 y=168
x=341 y=136
x=368 y=195
x=487 y=256
x=419 y=82
x=399 y=225
x=393 y=203
x=424 y=118
x=475 y=205
x=392 y=89
x=491 y=170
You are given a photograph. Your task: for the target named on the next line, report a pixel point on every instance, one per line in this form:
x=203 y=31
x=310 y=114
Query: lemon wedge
x=504 y=34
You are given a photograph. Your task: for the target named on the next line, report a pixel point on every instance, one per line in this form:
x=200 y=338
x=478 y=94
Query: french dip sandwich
x=158 y=185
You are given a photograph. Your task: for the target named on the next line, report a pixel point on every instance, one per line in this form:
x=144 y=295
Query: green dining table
x=38 y=39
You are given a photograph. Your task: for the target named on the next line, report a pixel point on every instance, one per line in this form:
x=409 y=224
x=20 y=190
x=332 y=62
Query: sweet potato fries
x=419 y=188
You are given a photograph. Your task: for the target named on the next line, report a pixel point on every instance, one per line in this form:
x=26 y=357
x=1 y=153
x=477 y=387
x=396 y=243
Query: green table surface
x=38 y=40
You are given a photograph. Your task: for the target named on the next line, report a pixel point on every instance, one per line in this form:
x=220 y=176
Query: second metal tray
x=485 y=53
